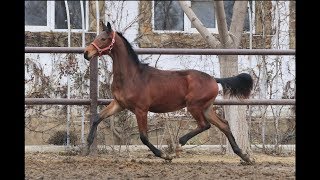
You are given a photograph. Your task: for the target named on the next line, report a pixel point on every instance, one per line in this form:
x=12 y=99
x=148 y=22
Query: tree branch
x=225 y=39
x=237 y=22
x=209 y=38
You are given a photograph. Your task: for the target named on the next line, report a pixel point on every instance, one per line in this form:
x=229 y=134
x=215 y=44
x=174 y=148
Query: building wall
x=134 y=20
x=46 y=74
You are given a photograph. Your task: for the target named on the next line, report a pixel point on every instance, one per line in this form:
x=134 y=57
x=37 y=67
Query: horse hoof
x=247 y=160
x=178 y=150
x=166 y=157
x=245 y=163
x=85 y=151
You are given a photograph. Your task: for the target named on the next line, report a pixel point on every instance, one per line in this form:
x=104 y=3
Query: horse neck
x=124 y=68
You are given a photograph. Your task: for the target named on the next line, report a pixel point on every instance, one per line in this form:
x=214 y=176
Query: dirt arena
x=143 y=165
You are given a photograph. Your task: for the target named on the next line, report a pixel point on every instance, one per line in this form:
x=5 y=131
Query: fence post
x=93 y=96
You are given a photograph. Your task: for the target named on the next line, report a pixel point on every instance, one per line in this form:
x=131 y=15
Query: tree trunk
x=236 y=115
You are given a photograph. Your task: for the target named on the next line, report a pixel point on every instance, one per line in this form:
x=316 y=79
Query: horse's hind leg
x=197 y=114
x=223 y=125
x=109 y=110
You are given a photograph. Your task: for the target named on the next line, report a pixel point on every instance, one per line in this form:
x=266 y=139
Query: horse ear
x=104 y=27
x=109 y=27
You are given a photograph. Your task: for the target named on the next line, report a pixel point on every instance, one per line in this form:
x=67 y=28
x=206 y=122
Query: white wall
x=208 y=64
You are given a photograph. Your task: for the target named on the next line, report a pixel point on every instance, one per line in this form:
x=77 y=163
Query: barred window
x=52 y=15
x=168 y=15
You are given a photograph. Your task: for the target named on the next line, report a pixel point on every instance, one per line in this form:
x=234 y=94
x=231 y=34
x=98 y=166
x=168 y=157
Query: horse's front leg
x=143 y=130
x=106 y=112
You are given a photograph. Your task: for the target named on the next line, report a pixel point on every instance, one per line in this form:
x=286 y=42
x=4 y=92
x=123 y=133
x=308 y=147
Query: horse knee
x=226 y=129
x=95 y=123
x=90 y=139
x=204 y=127
x=183 y=140
x=207 y=126
x=96 y=120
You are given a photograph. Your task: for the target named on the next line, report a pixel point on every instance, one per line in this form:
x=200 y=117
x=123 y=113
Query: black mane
x=131 y=52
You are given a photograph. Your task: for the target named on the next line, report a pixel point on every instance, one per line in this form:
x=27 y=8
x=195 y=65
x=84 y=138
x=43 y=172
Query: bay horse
x=140 y=88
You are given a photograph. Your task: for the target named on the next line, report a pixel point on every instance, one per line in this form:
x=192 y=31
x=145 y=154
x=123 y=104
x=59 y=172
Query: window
x=35 y=13
x=228 y=8
x=205 y=12
x=52 y=16
x=168 y=15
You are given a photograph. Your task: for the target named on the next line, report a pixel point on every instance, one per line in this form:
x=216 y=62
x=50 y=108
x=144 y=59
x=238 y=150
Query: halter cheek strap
x=108 y=48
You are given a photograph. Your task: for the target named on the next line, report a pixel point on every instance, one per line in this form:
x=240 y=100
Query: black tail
x=239 y=86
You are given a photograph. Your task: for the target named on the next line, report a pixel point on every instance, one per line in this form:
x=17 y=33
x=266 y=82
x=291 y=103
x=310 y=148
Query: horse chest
x=119 y=96
x=128 y=94
x=122 y=97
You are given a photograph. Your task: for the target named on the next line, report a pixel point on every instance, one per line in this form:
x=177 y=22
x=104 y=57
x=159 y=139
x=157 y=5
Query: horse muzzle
x=86 y=55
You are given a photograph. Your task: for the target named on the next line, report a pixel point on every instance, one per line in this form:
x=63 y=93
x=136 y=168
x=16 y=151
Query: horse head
x=102 y=44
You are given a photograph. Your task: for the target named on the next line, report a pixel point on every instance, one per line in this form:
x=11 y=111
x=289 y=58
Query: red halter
x=100 y=51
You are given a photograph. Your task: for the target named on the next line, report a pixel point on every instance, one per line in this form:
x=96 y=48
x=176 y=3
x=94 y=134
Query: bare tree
x=236 y=115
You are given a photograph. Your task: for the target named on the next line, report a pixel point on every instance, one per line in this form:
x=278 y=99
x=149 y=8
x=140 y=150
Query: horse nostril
x=86 y=55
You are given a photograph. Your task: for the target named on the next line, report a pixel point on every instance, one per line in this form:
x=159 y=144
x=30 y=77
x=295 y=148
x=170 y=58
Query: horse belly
x=165 y=109
x=167 y=105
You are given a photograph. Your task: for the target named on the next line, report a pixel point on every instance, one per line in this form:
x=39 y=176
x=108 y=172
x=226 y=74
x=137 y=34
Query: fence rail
x=94 y=101
x=62 y=101
x=172 y=51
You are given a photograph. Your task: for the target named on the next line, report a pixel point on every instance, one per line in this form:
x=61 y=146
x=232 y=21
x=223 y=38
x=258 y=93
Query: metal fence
x=94 y=101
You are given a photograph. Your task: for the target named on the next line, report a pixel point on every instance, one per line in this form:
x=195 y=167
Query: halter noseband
x=100 y=51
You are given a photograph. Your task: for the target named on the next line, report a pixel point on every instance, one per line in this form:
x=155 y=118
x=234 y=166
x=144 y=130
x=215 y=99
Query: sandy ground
x=144 y=165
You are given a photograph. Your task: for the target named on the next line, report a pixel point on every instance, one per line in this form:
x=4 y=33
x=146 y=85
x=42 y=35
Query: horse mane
x=131 y=52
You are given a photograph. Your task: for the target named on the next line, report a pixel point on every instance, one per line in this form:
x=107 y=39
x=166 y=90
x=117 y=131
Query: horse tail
x=238 y=86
